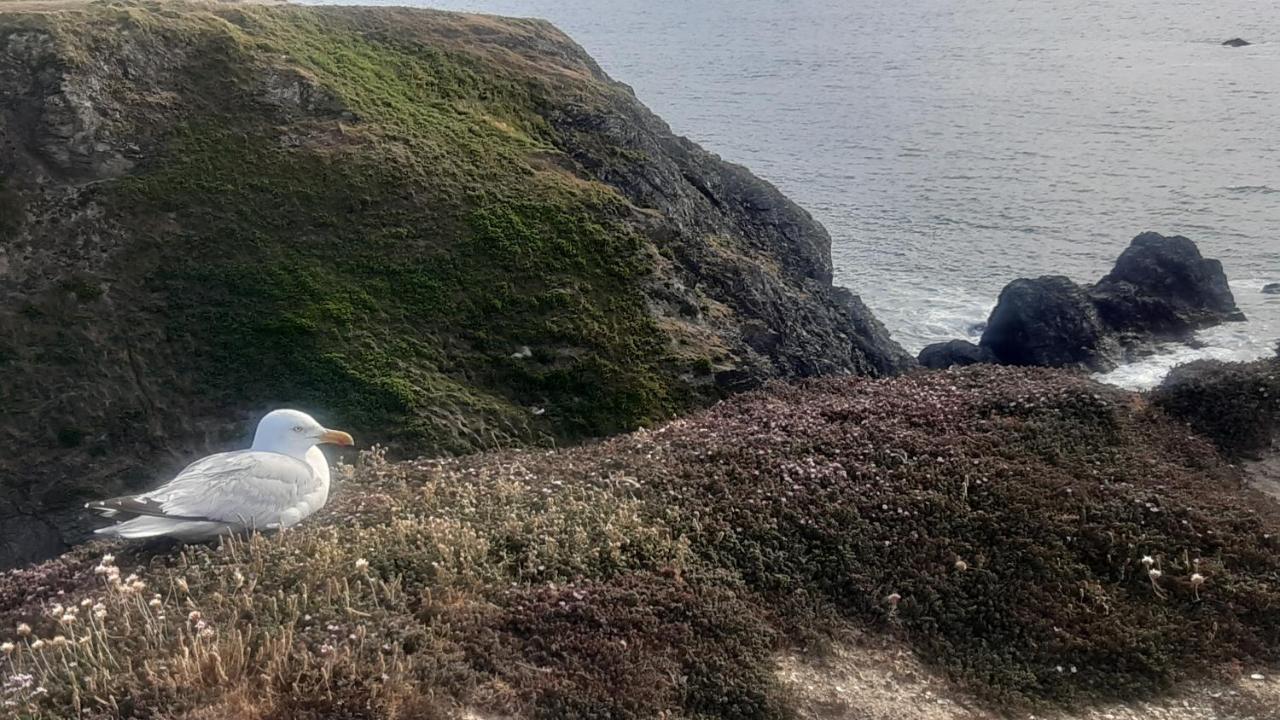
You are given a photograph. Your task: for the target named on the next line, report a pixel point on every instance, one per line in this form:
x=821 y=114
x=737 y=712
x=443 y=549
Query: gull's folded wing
x=247 y=487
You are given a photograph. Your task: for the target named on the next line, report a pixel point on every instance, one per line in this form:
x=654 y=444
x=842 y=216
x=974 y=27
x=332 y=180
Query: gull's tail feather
x=134 y=505
x=150 y=526
x=105 y=512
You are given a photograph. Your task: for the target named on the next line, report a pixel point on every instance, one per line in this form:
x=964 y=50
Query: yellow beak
x=337 y=437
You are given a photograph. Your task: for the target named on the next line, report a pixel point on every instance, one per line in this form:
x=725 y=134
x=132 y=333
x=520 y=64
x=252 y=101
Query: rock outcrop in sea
x=1048 y=321
x=209 y=210
x=954 y=353
x=1161 y=289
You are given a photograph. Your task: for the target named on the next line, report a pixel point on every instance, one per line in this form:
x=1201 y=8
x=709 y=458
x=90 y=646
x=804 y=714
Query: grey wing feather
x=134 y=505
x=247 y=487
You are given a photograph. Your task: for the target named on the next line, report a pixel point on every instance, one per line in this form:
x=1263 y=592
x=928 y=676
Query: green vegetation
x=1237 y=405
x=355 y=223
x=1038 y=537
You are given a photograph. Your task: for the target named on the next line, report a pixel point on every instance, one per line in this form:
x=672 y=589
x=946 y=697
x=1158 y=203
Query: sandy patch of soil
x=869 y=679
x=1265 y=475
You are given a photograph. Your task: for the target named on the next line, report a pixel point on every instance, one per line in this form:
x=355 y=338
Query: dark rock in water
x=1237 y=42
x=956 y=353
x=1271 y=289
x=1161 y=287
x=1048 y=321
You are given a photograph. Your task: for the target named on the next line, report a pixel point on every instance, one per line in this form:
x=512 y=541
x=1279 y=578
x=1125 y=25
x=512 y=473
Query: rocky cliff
x=446 y=232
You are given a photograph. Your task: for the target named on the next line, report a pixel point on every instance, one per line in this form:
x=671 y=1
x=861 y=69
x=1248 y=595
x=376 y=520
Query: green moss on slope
x=354 y=221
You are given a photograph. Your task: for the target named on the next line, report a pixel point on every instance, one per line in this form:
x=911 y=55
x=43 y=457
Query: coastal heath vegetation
x=1041 y=539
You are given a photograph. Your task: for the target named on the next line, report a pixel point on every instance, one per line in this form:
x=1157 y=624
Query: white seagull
x=276 y=483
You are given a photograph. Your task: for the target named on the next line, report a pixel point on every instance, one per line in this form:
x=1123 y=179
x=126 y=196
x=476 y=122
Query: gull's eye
x=298 y=428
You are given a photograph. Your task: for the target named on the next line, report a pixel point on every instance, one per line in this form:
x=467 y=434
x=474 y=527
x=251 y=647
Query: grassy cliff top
x=1035 y=536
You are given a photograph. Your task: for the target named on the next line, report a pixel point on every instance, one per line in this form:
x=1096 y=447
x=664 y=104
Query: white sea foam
x=1237 y=341
x=957 y=313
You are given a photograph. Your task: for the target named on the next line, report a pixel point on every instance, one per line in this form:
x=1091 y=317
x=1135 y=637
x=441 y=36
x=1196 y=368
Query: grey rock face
x=776 y=268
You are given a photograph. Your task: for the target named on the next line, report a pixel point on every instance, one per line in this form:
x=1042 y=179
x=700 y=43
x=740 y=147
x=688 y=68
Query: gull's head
x=294 y=433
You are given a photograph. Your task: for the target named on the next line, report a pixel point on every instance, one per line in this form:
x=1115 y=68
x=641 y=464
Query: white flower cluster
x=19 y=686
x=1154 y=574
x=108 y=568
x=66 y=616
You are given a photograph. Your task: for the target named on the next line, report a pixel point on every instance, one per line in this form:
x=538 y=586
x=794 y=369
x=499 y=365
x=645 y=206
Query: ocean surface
x=951 y=146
